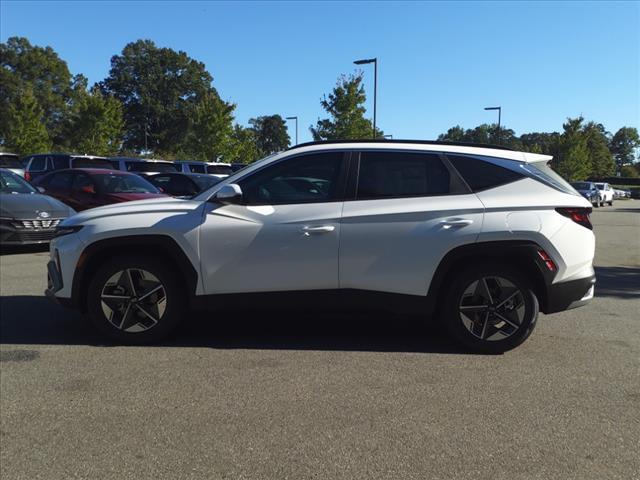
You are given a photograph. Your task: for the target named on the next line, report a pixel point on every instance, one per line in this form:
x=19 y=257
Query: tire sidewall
x=174 y=305
x=451 y=312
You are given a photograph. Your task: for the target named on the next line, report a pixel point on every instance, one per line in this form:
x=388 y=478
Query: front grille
x=37 y=224
x=32 y=236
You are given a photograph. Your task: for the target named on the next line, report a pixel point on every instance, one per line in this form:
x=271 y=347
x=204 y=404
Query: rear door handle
x=317 y=229
x=456 y=222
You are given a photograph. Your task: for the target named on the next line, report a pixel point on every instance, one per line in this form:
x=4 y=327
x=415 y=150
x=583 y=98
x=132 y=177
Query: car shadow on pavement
x=23 y=249
x=33 y=320
x=619 y=282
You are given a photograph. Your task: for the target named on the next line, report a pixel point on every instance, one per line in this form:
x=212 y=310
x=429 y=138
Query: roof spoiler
x=536 y=157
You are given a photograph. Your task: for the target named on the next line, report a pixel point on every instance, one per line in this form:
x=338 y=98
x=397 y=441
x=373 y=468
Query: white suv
x=479 y=238
x=606 y=193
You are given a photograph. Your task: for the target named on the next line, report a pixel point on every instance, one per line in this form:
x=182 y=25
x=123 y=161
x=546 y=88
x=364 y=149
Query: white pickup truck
x=606 y=193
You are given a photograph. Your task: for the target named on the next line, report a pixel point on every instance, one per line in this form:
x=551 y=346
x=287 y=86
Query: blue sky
x=440 y=63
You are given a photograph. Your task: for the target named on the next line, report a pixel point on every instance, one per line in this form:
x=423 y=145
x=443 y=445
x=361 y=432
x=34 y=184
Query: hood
x=30 y=205
x=161 y=204
x=128 y=197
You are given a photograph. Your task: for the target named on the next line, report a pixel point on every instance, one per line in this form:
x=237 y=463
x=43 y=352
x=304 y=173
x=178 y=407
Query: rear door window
x=60 y=162
x=59 y=181
x=79 y=162
x=397 y=174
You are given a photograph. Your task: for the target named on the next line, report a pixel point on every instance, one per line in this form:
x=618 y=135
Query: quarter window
x=37 y=164
x=305 y=179
x=397 y=174
x=481 y=175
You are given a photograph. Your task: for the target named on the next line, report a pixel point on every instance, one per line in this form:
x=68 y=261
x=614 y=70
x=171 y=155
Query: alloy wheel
x=133 y=300
x=492 y=308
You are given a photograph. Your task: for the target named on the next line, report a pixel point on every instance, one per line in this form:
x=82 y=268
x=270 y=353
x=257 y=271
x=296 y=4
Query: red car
x=83 y=188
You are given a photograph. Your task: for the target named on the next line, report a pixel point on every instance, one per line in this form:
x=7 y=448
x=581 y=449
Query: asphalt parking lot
x=311 y=395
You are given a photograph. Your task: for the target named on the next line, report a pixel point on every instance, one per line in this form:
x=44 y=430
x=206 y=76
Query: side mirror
x=88 y=189
x=41 y=189
x=231 y=193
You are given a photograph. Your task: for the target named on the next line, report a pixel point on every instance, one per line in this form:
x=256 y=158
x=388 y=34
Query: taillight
x=27 y=176
x=579 y=215
x=551 y=266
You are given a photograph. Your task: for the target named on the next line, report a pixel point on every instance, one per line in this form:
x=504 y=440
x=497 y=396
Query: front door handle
x=456 y=223
x=317 y=229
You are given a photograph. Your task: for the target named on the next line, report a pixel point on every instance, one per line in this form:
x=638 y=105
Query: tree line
x=160 y=102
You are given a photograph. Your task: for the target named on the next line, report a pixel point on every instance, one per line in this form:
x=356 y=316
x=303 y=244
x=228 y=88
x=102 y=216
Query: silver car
x=12 y=162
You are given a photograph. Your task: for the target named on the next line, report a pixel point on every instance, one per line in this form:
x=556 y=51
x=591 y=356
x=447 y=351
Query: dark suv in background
x=38 y=165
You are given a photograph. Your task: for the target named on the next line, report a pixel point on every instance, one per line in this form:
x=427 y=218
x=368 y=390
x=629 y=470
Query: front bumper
x=54 y=284
x=27 y=232
x=567 y=295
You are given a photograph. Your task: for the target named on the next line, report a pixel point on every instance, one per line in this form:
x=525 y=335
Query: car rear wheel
x=135 y=300
x=490 y=308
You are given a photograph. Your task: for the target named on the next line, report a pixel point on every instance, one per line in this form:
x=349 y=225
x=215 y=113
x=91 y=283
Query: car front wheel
x=135 y=300
x=490 y=308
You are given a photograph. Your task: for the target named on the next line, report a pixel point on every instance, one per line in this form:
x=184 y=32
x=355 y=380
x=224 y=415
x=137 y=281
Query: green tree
x=270 y=133
x=39 y=69
x=630 y=171
x=26 y=133
x=573 y=161
x=345 y=107
x=454 y=134
x=623 y=145
x=482 y=134
x=210 y=135
x=600 y=158
x=243 y=147
x=159 y=89
x=95 y=124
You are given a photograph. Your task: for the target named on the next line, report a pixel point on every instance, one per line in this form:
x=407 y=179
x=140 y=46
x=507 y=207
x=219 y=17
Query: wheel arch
x=521 y=254
x=97 y=253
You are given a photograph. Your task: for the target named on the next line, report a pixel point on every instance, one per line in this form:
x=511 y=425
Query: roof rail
x=401 y=141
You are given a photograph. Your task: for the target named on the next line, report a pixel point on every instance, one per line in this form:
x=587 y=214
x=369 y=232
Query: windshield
x=581 y=185
x=205 y=181
x=80 y=162
x=600 y=186
x=118 y=183
x=13 y=184
x=10 y=161
x=151 y=167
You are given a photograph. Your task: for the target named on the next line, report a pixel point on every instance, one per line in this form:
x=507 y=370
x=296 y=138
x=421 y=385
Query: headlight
x=61 y=231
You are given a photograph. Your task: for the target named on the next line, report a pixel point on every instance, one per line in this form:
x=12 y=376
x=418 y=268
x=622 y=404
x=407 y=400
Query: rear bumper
x=567 y=295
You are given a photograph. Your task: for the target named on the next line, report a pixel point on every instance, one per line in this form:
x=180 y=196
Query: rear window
x=10 y=161
x=219 y=169
x=480 y=174
x=197 y=168
x=79 y=162
x=150 y=167
x=545 y=174
x=581 y=186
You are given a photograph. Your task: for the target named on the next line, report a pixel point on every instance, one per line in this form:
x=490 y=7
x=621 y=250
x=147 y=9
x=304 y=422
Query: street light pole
x=375 y=86
x=499 y=119
x=296 y=119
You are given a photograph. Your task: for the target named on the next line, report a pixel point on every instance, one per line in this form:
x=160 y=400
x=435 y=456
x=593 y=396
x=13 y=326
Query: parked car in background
x=26 y=215
x=88 y=188
x=219 y=169
x=606 y=192
x=589 y=191
x=140 y=165
x=12 y=162
x=182 y=184
x=40 y=164
x=477 y=238
x=190 y=166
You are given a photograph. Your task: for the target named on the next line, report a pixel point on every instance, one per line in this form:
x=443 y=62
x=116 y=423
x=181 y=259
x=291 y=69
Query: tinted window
x=481 y=175
x=151 y=167
x=205 y=181
x=197 y=167
x=542 y=172
x=9 y=161
x=581 y=186
x=80 y=162
x=220 y=169
x=402 y=174
x=305 y=179
x=59 y=181
x=37 y=164
x=60 y=162
x=81 y=180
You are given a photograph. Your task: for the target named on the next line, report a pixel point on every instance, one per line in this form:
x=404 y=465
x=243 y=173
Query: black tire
x=528 y=308
x=596 y=205
x=168 y=316
x=611 y=203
